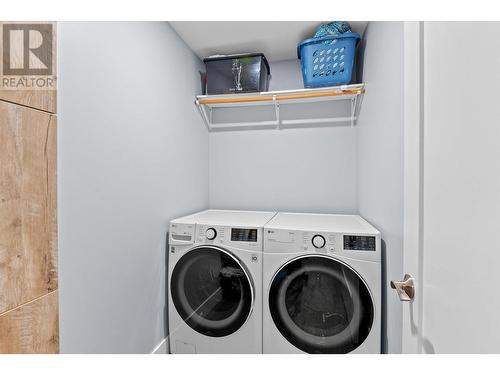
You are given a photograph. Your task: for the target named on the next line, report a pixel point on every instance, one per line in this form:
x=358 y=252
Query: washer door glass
x=211 y=291
x=320 y=305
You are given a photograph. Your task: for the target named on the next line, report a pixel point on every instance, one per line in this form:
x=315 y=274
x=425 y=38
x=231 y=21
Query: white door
x=452 y=187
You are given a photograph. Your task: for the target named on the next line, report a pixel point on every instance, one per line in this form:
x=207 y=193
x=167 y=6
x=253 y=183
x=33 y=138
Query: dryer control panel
x=239 y=237
x=301 y=241
x=359 y=246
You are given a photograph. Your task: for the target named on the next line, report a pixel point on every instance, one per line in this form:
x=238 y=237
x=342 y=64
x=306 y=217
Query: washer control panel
x=211 y=233
x=360 y=243
x=318 y=241
x=181 y=233
x=244 y=238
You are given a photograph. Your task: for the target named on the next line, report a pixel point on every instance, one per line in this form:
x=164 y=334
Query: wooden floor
x=28 y=242
x=29 y=320
x=32 y=327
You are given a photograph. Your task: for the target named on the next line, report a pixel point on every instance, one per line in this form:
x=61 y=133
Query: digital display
x=363 y=243
x=242 y=234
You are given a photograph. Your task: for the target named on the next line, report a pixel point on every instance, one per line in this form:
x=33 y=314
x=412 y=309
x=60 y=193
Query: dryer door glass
x=320 y=305
x=211 y=291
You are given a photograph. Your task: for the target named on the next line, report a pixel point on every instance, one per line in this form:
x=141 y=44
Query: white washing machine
x=322 y=284
x=215 y=282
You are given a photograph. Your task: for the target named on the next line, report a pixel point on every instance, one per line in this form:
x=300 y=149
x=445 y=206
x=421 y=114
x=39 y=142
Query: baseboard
x=161 y=348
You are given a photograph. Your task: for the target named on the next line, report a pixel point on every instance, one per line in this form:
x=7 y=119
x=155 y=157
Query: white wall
x=461 y=188
x=380 y=157
x=301 y=170
x=133 y=154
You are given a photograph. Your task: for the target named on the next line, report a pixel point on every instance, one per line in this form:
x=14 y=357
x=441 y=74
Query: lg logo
x=27 y=49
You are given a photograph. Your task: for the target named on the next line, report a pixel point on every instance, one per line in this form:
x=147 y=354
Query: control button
x=211 y=233
x=318 y=241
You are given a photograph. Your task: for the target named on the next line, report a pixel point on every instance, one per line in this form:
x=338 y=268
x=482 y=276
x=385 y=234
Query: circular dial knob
x=318 y=241
x=211 y=233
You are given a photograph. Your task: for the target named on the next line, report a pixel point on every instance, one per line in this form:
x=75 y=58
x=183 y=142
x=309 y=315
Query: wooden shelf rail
x=270 y=98
x=207 y=103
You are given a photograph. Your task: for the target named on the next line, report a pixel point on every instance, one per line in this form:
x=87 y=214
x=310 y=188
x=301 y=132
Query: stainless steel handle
x=405 y=288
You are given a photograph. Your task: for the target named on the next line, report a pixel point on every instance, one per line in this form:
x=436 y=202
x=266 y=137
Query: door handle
x=405 y=288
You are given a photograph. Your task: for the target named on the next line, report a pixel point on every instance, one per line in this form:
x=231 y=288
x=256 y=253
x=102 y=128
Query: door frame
x=413 y=80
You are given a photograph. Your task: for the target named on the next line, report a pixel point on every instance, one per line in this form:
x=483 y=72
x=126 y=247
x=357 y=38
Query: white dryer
x=322 y=284
x=215 y=282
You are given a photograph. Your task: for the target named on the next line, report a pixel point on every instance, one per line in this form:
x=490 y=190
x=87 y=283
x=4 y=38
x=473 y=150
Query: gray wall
x=133 y=154
x=285 y=75
x=380 y=156
x=301 y=170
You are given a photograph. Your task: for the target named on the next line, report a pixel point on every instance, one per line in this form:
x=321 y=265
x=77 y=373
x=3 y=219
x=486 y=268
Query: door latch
x=405 y=288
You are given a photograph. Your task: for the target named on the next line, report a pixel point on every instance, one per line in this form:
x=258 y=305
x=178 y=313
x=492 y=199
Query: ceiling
x=276 y=39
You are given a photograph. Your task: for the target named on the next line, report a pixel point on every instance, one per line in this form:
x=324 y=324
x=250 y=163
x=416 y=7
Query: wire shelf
x=354 y=93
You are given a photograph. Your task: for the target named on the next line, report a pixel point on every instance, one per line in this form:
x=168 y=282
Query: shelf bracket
x=277 y=112
x=353 y=110
x=203 y=113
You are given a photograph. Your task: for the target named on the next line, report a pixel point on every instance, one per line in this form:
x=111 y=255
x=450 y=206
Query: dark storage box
x=231 y=74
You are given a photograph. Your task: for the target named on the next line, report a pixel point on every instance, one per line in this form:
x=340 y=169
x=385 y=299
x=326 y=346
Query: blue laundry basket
x=328 y=61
